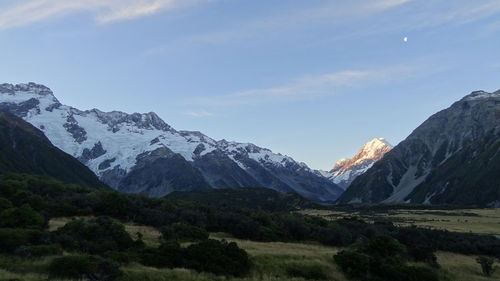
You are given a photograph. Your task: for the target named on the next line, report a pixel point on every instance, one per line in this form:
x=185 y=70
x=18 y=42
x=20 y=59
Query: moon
x=405 y=39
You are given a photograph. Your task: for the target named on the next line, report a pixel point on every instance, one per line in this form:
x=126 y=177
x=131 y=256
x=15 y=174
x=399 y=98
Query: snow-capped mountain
x=452 y=158
x=346 y=170
x=140 y=153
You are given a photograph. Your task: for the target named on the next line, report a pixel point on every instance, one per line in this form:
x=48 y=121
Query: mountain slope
x=346 y=170
x=140 y=153
x=25 y=149
x=451 y=158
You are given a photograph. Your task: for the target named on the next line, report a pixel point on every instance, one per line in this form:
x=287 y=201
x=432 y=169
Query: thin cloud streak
x=103 y=11
x=461 y=12
x=199 y=114
x=311 y=87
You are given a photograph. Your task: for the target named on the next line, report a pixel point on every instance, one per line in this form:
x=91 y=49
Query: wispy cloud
x=441 y=12
x=199 y=114
x=310 y=87
x=103 y=11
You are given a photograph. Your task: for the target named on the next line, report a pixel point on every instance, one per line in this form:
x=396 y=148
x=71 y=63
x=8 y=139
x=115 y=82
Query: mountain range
x=346 y=170
x=140 y=153
x=452 y=158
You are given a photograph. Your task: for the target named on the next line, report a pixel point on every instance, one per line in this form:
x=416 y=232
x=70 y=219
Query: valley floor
x=274 y=261
x=480 y=221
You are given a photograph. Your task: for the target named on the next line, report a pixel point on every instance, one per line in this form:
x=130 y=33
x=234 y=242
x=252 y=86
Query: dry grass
x=481 y=221
x=463 y=268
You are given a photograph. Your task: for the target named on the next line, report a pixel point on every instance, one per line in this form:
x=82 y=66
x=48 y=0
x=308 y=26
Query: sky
x=314 y=80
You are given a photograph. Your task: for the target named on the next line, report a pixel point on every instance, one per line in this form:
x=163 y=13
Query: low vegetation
x=68 y=232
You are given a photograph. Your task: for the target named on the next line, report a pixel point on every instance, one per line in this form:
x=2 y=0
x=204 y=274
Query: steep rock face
x=25 y=149
x=140 y=153
x=431 y=165
x=346 y=170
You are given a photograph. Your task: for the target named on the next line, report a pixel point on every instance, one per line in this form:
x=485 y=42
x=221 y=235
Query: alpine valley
x=140 y=153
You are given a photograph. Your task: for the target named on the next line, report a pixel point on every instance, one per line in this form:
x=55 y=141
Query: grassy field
x=272 y=262
x=463 y=268
x=481 y=221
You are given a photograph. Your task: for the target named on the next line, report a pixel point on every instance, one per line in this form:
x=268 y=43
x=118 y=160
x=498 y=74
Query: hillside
x=25 y=149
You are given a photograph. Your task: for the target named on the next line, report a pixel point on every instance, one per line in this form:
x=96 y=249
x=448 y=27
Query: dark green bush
x=13 y=238
x=94 y=236
x=84 y=267
x=23 y=217
x=123 y=258
x=381 y=258
x=218 y=257
x=310 y=272
x=39 y=250
x=169 y=254
x=184 y=232
x=353 y=263
x=5 y=204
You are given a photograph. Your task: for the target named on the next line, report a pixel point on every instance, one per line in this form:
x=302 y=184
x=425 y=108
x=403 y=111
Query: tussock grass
x=463 y=268
x=480 y=221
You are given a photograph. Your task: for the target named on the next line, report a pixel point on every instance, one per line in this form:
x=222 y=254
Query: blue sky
x=311 y=79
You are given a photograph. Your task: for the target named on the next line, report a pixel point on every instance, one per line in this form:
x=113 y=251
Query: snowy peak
x=341 y=163
x=30 y=88
x=346 y=170
x=373 y=150
x=478 y=95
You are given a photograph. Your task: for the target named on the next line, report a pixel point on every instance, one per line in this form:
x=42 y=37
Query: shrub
x=486 y=265
x=169 y=254
x=23 y=217
x=424 y=254
x=218 y=257
x=84 y=267
x=381 y=258
x=94 y=236
x=13 y=238
x=122 y=258
x=385 y=249
x=311 y=272
x=335 y=236
x=39 y=250
x=354 y=264
x=184 y=232
x=5 y=204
